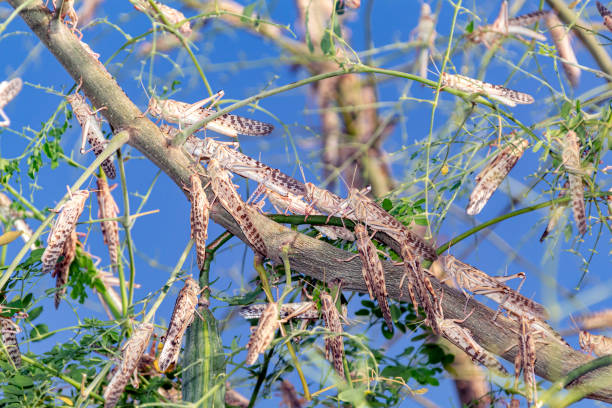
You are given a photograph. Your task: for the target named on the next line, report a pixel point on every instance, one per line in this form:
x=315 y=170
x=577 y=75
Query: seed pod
x=63 y=227
x=9 y=338
x=571 y=161
x=107 y=208
x=494 y=173
x=182 y=317
x=62 y=268
x=133 y=349
x=562 y=42
x=263 y=334
x=200 y=208
x=334 y=347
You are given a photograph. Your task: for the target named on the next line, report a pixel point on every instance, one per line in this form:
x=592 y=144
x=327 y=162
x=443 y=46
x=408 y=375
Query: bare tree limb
x=307 y=255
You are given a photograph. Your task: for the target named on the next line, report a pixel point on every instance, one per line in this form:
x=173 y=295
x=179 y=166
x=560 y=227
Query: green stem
x=211 y=249
x=503 y=217
x=115 y=143
x=59 y=375
x=127 y=226
x=39 y=216
x=260 y=378
x=263 y=277
x=169 y=283
x=572 y=376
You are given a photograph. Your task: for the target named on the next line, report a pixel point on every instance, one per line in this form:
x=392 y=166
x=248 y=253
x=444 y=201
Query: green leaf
x=565 y=110
x=247 y=11
x=39 y=332
x=22 y=381
x=387 y=205
x=34 y=313
x=327 y=44
x=470 y=27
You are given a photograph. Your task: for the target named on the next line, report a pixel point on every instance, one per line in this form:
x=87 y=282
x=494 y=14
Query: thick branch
x=307 y=255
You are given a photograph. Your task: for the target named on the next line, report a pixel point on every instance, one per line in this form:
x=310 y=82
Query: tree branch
x=307 y=255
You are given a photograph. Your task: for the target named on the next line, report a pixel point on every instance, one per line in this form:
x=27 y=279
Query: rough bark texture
x=307 y=255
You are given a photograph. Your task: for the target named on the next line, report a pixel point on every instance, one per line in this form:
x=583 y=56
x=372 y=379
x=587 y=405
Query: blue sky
x=243 y=64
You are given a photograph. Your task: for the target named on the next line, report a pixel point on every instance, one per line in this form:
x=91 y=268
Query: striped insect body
x=9 y=339
x=526 y=357
x=185 y=114
x=298 y=310
x=294 y=204
x=462 y=337
x=489 y=179
x=499 y=93
x=62 y=268
x=132 y=351
x=372 y=271
x=593 y=343
x=8 y=91
x=229 y=198
x=263 y=335
x=107 y=208
x=200 y=208
x=561 y=38
x=598 y=320
x=606 y=15
x=571 y=162
x=92 y=132
x=63 y=227
x=469 y=278
x=334 y=346
x=182 y=316
x=173 y=16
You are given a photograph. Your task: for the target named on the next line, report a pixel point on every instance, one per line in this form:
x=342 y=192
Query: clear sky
x=243 y=64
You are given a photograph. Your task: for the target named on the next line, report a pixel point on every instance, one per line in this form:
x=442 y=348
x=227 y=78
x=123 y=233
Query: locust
x=469 y=278
x=606 y=15
x=555 y=213
x=200 y=208
x=107 y=208
x=132 y=351
x=264 y=333
x=299 y=310
x=289 y=395
x=598 y=320
x=294 y=204
x=63 y=227
x=489 y=179
x=182 y=317
x=68 y=11
x=526 y=357
x=592 y=343
x=185 y=114
x=9 y=331
x=571 y=162
x=499 y=93
x=243 y=165
x=426 y=34
x=462 y=337
x=564 y=47
x=372 y=271
x=62 y=268
x=8 y=91
x=503 y=26
x=419 y=285
x=92 y=131
x=334 y=347
x=173 y=16
x=360 y=208
x=229 y=198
